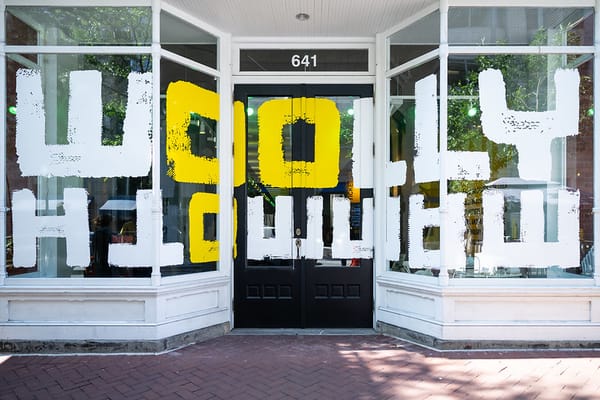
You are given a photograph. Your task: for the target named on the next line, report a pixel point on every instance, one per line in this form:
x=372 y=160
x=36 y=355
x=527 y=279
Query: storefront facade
x=169 y=177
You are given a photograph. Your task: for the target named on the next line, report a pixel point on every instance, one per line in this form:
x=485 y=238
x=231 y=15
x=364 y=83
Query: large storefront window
x=190 y=116
x=71 y=114
x=78 y=142
x=407 y=146
x=557 y=166
x=518 y=157
x=80 y=193
x=190 y=177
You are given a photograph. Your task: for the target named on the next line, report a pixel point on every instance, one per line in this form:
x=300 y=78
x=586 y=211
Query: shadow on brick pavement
x=305 y=367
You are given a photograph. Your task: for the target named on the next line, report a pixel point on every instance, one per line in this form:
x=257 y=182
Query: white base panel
x=491 y=311
x=111 y=312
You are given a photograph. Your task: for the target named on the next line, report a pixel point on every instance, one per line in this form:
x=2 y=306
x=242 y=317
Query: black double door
x=292 y=268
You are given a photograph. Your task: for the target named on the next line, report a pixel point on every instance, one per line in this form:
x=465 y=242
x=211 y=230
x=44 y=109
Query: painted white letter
x=531 y=132
x=141 y=254
x=278 y=247
x=362 y=143
x=460 y=165
x=342 y=246
x=73 y=226
x=420 y=217
x=532 y=250
x=84 y=156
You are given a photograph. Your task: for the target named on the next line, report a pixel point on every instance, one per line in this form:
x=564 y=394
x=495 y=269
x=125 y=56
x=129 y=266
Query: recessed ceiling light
x=302 y=16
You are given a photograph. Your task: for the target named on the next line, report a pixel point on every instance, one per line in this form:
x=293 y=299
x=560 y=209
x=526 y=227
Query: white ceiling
x=328 y=18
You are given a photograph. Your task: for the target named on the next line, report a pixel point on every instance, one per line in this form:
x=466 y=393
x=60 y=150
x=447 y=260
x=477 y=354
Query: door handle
x=298 y=244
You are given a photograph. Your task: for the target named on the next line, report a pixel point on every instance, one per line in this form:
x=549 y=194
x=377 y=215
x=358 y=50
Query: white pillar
x=443 y=137
x=157 y=222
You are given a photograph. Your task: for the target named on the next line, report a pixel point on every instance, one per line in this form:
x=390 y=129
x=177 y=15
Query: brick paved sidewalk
x=305 y=367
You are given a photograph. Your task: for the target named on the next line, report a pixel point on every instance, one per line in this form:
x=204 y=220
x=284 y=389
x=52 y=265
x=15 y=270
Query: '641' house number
x=305 y=60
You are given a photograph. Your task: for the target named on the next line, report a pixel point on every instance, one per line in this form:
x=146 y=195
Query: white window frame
x=222 y=74
x=443 y=52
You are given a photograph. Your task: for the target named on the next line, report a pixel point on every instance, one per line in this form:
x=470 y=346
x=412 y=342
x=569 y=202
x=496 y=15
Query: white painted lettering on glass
x=73 y=226
x=362 y=143
x=342 y=246
x=84 y=155
x=262 y=242
x=532 y=250
x=393 y=231
x=531 y=132
x=461 y=165
x=141 y=254
x=421 y=222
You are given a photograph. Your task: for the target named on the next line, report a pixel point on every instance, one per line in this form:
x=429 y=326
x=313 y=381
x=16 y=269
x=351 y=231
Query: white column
x=443 y=210
x=225 y=232
x=157 y=222
x=380 y=140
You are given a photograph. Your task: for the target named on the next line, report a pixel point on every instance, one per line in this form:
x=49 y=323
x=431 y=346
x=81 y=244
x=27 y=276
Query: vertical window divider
x=155 y=276
x=225 y=225
x=3 y=209
x=443 y=139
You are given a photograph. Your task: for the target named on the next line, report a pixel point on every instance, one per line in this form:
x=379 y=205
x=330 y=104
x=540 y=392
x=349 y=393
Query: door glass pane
x=304 y=155
x=342 y=207
x=268 y=182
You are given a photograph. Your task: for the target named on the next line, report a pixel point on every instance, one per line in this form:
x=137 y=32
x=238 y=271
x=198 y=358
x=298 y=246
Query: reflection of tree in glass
x=105 y=26
x=98 y=25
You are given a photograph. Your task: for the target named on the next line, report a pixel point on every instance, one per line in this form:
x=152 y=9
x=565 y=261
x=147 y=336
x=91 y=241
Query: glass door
x=299 y=215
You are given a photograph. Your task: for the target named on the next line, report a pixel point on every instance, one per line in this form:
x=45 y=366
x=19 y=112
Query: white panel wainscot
x=75 y=310
x=414 y=304
x=523 y=313
x=409 y=303
x=490 y=314
x=115 y=309
x=522 y=310
x=192 y=302
x=189 y=304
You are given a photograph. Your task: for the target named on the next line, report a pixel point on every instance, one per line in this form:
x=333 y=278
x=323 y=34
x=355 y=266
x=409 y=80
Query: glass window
x=520 y=26
x=72 y=118
x=188 y=40
x=189 y=166
x=415 y=40
x=78 y=25
x=424 y=192
x=553 y=169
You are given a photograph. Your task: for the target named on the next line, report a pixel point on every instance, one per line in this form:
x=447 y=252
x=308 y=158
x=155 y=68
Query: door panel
x=298 y=217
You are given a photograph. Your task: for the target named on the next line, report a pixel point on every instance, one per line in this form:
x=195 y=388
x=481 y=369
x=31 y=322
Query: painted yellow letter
x=183 y=99
x=202 y=250
x=239 y=144
x=273 y=115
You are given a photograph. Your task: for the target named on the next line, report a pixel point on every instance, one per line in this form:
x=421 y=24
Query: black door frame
x=292 y=311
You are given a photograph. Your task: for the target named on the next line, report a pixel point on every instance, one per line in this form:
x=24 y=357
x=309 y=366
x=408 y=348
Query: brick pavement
x=305 y=367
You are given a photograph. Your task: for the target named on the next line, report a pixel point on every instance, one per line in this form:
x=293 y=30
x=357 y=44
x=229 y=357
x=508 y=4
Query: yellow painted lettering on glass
x=202 y=250
x=273 y=116
x=239 y=144
x=183 y=100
